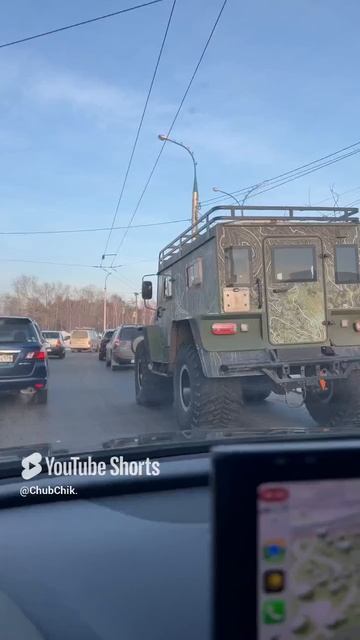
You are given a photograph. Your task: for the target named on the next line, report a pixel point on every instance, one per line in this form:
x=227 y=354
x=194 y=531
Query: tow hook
x=322 y=382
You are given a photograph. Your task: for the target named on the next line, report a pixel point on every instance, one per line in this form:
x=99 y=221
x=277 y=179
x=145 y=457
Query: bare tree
x=55 y=305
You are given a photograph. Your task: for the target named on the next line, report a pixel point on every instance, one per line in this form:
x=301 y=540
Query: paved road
x=89 y=404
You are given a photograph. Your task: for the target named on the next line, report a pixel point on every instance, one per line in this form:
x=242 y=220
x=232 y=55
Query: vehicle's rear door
x=127 y=335
x=295 y=292
x=17 y=342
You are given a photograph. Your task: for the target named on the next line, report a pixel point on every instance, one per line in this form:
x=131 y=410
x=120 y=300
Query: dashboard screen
x=308 y=581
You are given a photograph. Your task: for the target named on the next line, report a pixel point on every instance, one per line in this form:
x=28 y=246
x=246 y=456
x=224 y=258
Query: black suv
x=104 y=341
x=23 y=358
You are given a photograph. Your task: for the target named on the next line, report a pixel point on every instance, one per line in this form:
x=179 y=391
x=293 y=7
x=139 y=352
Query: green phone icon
x=273 y=611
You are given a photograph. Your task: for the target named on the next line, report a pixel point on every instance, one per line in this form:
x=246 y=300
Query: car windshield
x=180 y=239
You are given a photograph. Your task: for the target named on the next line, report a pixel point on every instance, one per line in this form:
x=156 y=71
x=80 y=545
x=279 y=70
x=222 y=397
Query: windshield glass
x=179 y=241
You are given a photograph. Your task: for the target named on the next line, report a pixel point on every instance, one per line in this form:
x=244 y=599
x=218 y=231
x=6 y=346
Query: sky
x=278 y=87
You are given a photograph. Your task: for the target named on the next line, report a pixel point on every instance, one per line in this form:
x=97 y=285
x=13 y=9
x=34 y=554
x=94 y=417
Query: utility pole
x=136 y=306
x=105 y=300
x=195 y=191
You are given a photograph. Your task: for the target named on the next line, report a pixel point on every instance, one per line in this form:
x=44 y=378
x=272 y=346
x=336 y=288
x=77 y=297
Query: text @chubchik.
x=35 y=463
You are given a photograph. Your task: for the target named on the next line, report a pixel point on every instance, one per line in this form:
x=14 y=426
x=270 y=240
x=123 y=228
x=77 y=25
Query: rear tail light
x=117 y=343
x=357 y=325
x=39 y=385
x=36 y=355
x=224 y=328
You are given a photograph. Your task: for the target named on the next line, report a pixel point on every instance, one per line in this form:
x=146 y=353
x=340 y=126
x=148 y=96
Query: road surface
x=89 y=404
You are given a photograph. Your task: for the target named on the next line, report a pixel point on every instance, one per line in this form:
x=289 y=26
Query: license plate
x=6 y=357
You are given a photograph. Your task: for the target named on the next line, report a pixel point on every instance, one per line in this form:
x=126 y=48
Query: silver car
x=118 y=350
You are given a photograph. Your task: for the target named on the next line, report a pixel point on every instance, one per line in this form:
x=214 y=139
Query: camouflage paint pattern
x=295 y=310
x=297 y=321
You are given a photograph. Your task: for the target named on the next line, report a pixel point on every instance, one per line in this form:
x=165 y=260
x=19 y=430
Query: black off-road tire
x=256 y=389
x=62 y=356
x=339 y=406
x=209 y=402
x=151 y=389
x=256 y=396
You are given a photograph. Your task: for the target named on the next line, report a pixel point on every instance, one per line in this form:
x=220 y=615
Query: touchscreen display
x=309 y=560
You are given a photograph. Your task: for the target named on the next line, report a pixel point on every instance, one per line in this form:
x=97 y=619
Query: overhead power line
x=77 y=24
x=340 y=195
x=286 y=174
x=305 y=173
x=71 y=264
x=90 y=229
x=140 y=124
x=171 y=128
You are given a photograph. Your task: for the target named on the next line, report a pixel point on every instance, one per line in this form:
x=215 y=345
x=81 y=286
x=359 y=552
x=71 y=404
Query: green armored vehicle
x=253 y=300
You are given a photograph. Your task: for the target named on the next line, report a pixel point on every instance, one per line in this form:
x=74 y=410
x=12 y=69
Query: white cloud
x=86 y=95
x=229 y=141
x=106 y=102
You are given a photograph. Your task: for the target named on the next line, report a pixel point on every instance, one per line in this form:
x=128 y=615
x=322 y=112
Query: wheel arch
x=183 y=332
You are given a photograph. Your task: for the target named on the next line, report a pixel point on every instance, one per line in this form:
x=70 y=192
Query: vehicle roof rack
x=236 y=214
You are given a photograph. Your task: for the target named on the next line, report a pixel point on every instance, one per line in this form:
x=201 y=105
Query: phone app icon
x=274 y=550
x=274 y=581
x=273 y=611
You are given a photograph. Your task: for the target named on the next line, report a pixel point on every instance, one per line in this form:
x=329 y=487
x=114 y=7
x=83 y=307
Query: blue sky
x=279 y=87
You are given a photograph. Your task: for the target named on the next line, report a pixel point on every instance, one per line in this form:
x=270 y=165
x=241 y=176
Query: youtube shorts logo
x=31 y=465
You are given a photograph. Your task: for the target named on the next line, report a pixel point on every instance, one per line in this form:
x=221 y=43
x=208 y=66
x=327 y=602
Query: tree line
x=59 y=306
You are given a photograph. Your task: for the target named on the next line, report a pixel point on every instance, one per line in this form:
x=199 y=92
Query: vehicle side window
x=237 y=266
x=294 y=264
x=346 y=264
x=168 y=287
x=194 y=273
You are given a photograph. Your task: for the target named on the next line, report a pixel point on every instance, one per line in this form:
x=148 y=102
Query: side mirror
x=146 y=290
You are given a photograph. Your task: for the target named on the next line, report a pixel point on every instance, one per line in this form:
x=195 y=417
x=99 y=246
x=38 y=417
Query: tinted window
x=346 y=264
x=294 y=264
x=129 y=333
x=237 y=265
x=51 y=334
x=80 y=334
x=17 y=330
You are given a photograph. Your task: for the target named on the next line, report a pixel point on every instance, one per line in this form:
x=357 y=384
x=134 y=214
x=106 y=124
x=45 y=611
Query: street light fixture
x=195 y=192
x=255 y=187
x=230 y=195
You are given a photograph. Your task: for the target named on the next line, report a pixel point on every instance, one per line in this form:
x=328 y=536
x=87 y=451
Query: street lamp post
x=105 y=300
x=255 y=187
x=136 y=306
x=230 y=195
x=195 y=191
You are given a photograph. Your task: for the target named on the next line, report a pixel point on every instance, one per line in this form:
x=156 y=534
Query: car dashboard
x=127 y=559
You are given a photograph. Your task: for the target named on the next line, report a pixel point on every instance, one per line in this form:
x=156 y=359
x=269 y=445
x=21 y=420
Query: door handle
x=281 y=290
